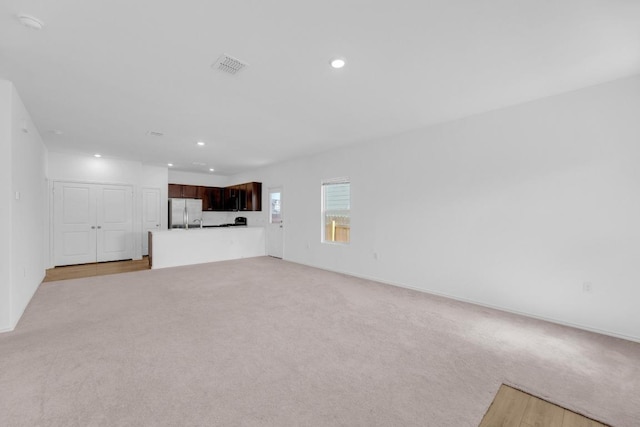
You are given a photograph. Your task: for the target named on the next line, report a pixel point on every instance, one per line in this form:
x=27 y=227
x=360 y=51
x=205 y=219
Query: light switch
x=17 y=195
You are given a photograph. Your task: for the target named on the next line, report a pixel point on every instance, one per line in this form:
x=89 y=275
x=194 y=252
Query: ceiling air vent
x=228 y=64
x=154 y=133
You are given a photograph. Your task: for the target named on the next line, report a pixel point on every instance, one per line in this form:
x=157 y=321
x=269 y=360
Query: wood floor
x=95 y=269
x=514 y=408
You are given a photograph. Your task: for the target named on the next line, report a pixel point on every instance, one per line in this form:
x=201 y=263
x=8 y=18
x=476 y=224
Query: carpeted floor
x=264 y=342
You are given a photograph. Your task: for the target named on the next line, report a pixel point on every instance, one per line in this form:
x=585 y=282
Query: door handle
x=93 y=227
x=99 y=227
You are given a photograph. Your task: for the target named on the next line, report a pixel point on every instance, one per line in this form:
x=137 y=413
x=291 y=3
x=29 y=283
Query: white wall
x=5 y=206
x=28 y=208
x=515 y=208
x=80 y=168
x=24 y=189
x=192 y=178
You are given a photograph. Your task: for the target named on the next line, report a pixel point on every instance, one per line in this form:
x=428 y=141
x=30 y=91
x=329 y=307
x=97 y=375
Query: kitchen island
x=172 y=248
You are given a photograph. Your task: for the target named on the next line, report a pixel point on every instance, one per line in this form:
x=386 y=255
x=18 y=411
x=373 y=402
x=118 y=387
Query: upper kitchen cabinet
x=183 y=191
x=203 y=193
x=245 y=197
x=240 y=197
x=189 y=191
x=253 y=192
x=233 y=198
x=216 y=198
x=175 y=190
x=212 y=198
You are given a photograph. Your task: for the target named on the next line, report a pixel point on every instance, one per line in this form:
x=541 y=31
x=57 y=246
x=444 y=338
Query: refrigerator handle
x=186 y=212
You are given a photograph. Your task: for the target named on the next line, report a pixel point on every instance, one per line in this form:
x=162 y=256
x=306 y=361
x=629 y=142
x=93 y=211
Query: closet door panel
x=74 y=223
x=115 y=223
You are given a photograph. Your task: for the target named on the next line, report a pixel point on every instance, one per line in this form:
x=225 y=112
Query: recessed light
x=200 y=143
x=30 y=22
x=211 y=170
x=57 y=132
x=97 y=155
x=338 y=62
x=170 y=164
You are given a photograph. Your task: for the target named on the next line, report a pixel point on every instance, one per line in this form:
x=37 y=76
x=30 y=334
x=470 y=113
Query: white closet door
x=151 y=212
x=114 y=222
x=74 y=216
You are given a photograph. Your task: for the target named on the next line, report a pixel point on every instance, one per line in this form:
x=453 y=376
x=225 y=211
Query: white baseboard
x=483 y=304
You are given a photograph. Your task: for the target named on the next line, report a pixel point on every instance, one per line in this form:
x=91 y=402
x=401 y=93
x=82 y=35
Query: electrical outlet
x=587 y=287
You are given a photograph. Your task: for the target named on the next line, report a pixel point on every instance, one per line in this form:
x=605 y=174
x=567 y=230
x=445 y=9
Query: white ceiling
x=105 y=73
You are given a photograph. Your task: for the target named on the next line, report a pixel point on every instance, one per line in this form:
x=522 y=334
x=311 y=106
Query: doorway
x=151 y=215
x=275 y=228
x=92 y=223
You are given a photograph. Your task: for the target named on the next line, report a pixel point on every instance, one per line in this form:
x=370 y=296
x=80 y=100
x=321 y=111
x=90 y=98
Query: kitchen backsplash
x=254 y=219
x=215 y=218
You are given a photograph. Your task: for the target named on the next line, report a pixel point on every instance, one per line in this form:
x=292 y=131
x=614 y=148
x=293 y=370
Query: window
x=336 y=210
x=275 y=214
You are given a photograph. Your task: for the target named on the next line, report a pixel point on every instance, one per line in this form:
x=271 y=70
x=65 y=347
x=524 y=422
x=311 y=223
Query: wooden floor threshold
x=515 y=408
x=95 y=269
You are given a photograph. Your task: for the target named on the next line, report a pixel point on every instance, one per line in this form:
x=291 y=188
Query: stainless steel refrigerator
x=185 y=213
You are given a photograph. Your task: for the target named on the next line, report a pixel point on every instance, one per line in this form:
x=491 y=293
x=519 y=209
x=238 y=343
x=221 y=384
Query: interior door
x=114 y=222
x=74 y=223
x=275 y=228
x=151 y=212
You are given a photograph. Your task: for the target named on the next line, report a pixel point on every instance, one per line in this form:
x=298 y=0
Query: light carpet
x=264 y=342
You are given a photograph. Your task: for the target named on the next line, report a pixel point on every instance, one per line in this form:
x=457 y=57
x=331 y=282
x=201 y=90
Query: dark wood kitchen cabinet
x=203 y=193
x=240 y=197
x=216 y=198
x=175 y=190
x=242 y=194
x=212 y=198
x=232 y=198
x=245 y=197
x=183 y=191
x=253 y=194
x=189 y=191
